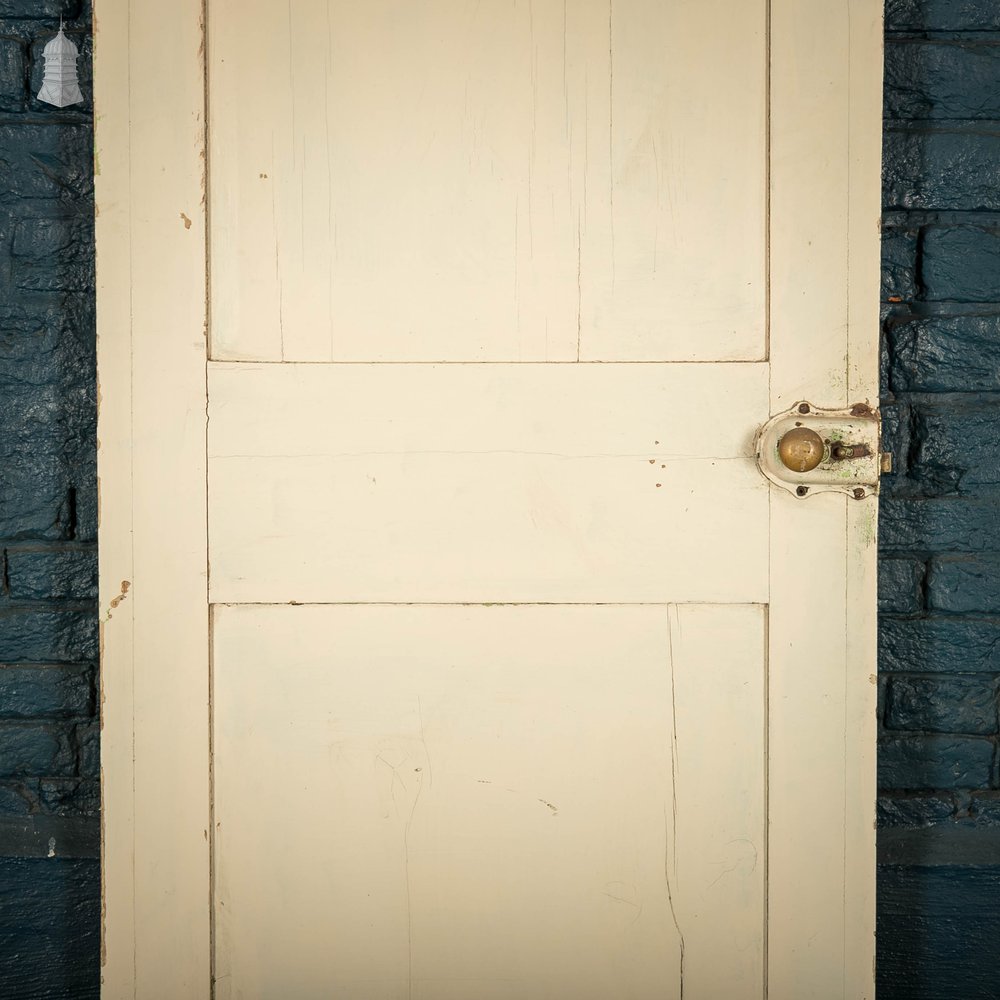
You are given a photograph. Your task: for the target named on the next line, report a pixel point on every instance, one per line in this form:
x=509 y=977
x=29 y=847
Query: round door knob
x=801 y=449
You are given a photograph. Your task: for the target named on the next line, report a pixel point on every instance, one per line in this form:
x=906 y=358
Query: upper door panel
x=449 y=181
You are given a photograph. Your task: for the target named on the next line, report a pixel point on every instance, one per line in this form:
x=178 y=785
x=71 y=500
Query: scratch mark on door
x=672 y=616
x=670 y=824
x=579 y=284
x=277 y=265
x=611 y=135
x=668 y=847
x=403 y=757
x=659 y=186
x=406 y=848
x=622 y=892
x=331 y=312
x=534 y=128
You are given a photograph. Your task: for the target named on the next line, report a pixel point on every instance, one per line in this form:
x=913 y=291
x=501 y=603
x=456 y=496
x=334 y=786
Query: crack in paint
x=670 y=825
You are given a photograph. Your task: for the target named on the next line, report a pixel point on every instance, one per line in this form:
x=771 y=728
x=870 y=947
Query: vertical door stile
x=113 y=151
x=808 y=345
x=150 y=141
x=860 y=676
x=824 y=322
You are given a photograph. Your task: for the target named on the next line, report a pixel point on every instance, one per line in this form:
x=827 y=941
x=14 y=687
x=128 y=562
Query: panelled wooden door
x=455 y=648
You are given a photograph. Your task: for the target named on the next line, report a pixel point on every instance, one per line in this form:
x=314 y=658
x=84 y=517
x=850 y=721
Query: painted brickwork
x=939 y=582
x=49 y=794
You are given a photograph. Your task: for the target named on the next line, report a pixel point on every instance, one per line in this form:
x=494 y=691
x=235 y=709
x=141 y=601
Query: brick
x=945 y=354
x=34 y=496
x=12 y=75
x=31 y=418
x=899 y=255
x=942 y=169
x=47 y=420
x=38 y=10
x=942 y=15
x=52 y=574
x=943 y=645
x=931 y=761
x=895 y=439
x=939 y=525
x=935 y=926
x=49 y=343
x=18 y=798
x=85 y=506
x=50 y=921
x=32 y=691
x=50 y=497
x=961 y=264
x=886 y=318
x=964 y=584
x=35 y=749
x=46 y=162
x=28 y=635
x=985 y=808
x=941 y=78
x=67 y=796
x=88 y=747
x=942 y=704
x=955 y=448
x=914 y=810
x=70 y=796
x=900 y=586
x=53 y=254
x=41 y=240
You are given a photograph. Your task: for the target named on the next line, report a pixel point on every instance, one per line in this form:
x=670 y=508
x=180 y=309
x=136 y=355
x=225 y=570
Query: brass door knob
x=801 y=449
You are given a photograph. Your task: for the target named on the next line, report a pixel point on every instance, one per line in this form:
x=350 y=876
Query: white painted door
x=456 y=648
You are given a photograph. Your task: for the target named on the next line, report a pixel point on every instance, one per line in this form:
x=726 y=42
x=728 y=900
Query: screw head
x=801 y=491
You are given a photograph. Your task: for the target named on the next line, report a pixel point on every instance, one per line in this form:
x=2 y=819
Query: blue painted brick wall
x=49 y=768
x=939 y=587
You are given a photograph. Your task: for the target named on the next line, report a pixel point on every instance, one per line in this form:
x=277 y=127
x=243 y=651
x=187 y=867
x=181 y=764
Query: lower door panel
x=472 y=802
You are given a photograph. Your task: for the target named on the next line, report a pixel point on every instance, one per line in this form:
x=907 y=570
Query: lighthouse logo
x=60 y=85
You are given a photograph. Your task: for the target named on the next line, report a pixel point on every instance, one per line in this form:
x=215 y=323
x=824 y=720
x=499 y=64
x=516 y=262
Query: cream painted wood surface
x=824 y=271
x=486 y=483
x=574 y=704
x=540 y=181
x=151 y=296
x=503 y=802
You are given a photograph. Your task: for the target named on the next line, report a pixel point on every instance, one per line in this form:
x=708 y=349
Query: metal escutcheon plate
x=851 y=458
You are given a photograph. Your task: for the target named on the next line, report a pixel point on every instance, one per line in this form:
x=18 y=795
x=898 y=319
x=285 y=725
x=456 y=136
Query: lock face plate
x=851 y=459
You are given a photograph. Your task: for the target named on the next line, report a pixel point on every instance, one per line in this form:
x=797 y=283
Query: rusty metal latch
x=808 y=450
